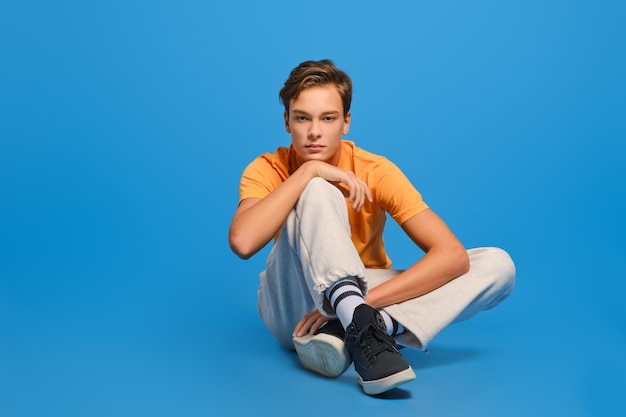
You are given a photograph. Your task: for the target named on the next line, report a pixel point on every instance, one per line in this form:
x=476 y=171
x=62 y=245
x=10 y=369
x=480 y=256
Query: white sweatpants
x=314 y=250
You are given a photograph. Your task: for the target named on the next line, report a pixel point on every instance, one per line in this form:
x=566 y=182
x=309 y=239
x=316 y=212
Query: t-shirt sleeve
x=259 y=179
x=395 y=193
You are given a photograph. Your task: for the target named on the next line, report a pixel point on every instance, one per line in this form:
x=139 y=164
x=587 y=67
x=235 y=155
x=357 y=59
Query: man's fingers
x=363 y=193
x=302 y=326
x=368 y=193
x=315 y=326
x=358 y=201
x=357 y=190
x=309 y=323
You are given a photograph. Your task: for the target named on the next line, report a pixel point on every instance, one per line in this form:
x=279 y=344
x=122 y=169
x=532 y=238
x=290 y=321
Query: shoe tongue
x=364 y=315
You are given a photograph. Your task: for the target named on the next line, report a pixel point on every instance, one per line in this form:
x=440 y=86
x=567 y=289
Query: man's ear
x=346 y=123
x=286 y=117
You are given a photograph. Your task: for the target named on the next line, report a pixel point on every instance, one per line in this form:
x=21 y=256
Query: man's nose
x=315 y=130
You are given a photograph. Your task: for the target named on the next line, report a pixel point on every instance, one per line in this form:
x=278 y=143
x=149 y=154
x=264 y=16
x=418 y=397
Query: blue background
x=124 y=127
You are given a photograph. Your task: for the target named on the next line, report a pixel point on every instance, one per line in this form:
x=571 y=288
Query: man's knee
x=318 y=187
x=501 y=270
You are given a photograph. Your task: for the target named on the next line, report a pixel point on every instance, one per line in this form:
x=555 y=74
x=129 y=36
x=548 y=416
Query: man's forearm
x=435 y=269
x=254 y=226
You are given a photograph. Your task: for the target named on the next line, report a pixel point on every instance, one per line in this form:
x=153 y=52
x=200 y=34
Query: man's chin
x=317 y=156
x=307 y=156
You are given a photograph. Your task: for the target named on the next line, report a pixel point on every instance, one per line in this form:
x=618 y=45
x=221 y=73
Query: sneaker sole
x=322 y=353
x=385 y=384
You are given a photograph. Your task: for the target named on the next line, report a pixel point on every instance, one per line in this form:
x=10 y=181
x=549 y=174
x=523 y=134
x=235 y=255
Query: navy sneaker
x=376 y=358
x=324 y=352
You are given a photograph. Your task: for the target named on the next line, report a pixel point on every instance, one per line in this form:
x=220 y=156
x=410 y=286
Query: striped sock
x=344 y=296
x=393 y=327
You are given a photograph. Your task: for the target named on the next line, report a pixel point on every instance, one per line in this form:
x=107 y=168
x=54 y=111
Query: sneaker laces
x=373 y=341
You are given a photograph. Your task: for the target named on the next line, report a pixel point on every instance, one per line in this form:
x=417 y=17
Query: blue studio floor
x=165 y=350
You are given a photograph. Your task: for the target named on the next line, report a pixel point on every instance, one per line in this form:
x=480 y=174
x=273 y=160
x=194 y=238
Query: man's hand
x=310 y=323
x=357 y=190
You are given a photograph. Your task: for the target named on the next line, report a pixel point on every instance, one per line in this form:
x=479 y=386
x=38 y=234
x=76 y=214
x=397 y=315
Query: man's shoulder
x=280 y=155
x=269 y=164
x=364 y=156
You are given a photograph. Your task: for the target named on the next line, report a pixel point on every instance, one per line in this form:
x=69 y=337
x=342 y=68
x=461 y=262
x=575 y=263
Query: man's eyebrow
x=329 y=112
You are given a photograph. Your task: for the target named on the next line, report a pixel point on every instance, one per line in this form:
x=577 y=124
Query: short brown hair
x=316 y=73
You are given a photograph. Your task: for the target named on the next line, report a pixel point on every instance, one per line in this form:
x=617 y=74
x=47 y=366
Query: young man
x=328 y=291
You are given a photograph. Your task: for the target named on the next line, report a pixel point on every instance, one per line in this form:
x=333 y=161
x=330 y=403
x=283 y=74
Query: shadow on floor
x=440 y=355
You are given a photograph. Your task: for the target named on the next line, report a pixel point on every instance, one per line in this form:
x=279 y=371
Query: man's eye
x=301 y=118
x=329 y=118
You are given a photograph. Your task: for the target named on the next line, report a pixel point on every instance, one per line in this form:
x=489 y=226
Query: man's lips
x=315 y=147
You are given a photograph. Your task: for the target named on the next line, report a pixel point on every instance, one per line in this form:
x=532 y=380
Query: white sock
x=393 y=327
x=344 y=296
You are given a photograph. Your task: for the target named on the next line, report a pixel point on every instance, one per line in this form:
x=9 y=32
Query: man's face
x=316 y=124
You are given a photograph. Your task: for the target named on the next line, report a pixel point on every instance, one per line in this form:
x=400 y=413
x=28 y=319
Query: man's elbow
x=240 y=246
x=245 y=255
x=461 y=260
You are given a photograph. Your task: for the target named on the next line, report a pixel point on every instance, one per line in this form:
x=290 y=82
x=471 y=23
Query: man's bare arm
x=445 y=259
x=256 y=221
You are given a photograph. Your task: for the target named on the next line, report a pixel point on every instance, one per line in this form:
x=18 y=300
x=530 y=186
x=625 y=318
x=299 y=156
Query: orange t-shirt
x=391 y=190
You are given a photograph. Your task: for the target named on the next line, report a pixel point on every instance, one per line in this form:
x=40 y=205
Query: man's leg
x=490 y=280
x=314 y=252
